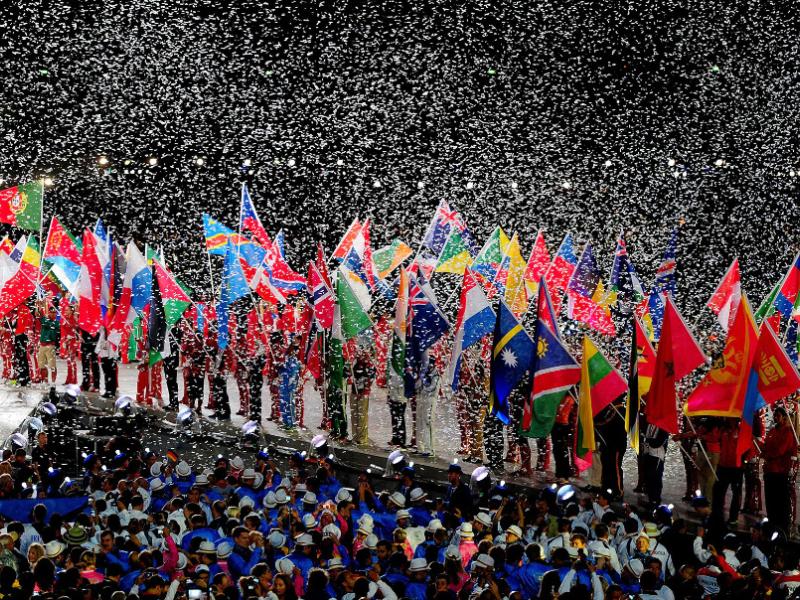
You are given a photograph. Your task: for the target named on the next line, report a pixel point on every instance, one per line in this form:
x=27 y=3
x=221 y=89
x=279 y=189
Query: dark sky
x=440 y=92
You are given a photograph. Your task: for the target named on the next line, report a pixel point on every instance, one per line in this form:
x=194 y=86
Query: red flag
x=678 y=355
x=537 y=266
x=725 y=299
x=721 y=392
x=322 y=265
x=89 y=286
x=347 y=241
x=321 y=297
x=309 y=347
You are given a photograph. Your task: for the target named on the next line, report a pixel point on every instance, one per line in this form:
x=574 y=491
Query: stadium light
x=152 y=161
x=339 y=162
x=671 y=162
x=470 y=185
x=102 y=161
x=199 y=161
x=291 y=162
x=377 y=184
x=514 y=185
x=420 y=185
x=48 y=181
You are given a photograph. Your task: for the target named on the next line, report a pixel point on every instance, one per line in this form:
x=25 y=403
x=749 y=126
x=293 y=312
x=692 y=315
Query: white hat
x=202 y=568
x=343 y=494
x=281 y=497
x=54 y=548
x=201 y=479
x=398 y=499
x=305 y=540
x=366 y=519
x=417 y=565
x=73 y=390
x=155 y=469
x=514 y=530
x=207 y=547
x=331 y=530
x=452 y=552
x=402 y=514
x=371 y=542
x=485 y=560
x=269 y=500
x=237 y=463
x=300 y=488
x=434 y=525
x=635 y=566
x=259 y=479
x=182 y=469
x=465 y=531
x=182 y=561
x=484 y=519
x=276 y=539
x=335 y=563
x=365 y=528
x=417 y=494
x=248 y=474
x=310 y=498
x=284 y=565
x=598 y=549
x=309 y=521
x=224 y=549
x=246 y=501
x=156 y=485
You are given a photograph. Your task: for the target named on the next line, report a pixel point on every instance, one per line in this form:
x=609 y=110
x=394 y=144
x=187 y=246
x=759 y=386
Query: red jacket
x=779 y=449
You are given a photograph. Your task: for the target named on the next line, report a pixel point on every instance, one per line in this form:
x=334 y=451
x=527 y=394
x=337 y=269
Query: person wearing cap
x=302 y=554
x=417 y=587
x=466 y=543
x=584 y=572
x=420 y=515
x=458 y=496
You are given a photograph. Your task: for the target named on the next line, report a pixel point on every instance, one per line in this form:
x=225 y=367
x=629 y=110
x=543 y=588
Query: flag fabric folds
x=586 y=295
x=397 y=357
x=721 y=392
x=249 y=221
x=666 y=275
x=321 y=297
x=354 y=317
x=455 y=256
x=233 y=287
x=642 y=366
x=516 y=294
x=787 y=293
x=678 y=355
x=512 y=352
x=21 y=205
x=63 y=252
x=560 y=271
x=538 y=262
x=22 y=284
x=388 y=258
x=90 y=283
x=725 y=299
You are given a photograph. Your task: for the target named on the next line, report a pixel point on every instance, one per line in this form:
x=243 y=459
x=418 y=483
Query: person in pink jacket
x=466 y=545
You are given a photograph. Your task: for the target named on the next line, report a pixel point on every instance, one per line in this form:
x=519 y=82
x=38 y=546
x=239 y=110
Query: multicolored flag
x=725 y=300
x=626 y=289
x=21 y=205
x=642 y=367
x=347 y=241
x=475 y=320
x=586 y=295
x=516 y=294
x=427 y=323
x=63 y=252
x=678 y=355
x=216 y=235
x=787 y=294
x=666 y=275
x=310 y=342
x=135 y=293
x=22 y=284
x=455 y=256
x=445 y=220
x=354 y=317
x=560 y=271
x=488 y=260
x=537 y=266
x=772 y=377
x=544 y=306
x=90 y=284
x=512 y=352
x=388 y=258
x=767 y=307
x=249 y=221
x=791 y=343
x=321 y=297
x=233 y=287
x=397 y=361
x=554 y=371
x=601 y=384
x=721 y=392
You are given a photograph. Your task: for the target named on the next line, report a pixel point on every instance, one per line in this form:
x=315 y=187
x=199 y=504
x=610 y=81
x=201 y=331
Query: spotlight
x=792 y=173
x=719 y=162
x=246 y=162
x=152 y=161
x=17 y=440
x=420 y=185
x=470 y=185
x=319 y=445
x=48 y=181
x=607 y=164
x=671 y=162
x=377 y=184
x=199 y=161
x=565 y=493
x=251 y=431
x=123 y=405
x=480 y=480
x=514 y=185
x=184 y=418
x=102 y=161
x=394 y=463
x=339 y=162
x=48 y=409
x=290 y=163
x=566 y=185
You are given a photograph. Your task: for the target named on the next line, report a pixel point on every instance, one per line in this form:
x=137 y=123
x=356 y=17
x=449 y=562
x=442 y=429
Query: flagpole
x=210 y=272
x=703 y=448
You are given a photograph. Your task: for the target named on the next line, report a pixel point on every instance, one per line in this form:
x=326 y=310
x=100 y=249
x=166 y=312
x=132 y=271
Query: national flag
x=767 y=307
x=357 y=279
x=397 y=361
x=233 y=287
x=354 y=317
x=721 y=392
x=512 y=352
x=772 y=377
x=310 y=343
x=554 y=371
x=101 y=232
x=666 y=275
x=63 y=252
x=10 y=258
x=156 y=321
x=285 y=278
x=347 y=241
x=22 y=284
x=249 y=221
x=516 y=294
x=445 y=220
x=427 y=323
x=787 y=294
x=280 y=244
x=455 y=256
x=135 y=293
x=260 y=282
x=678 y=355
x=651 y=312
x=335 y=361
x=321 y=297
x=790 y=343
x=626 y=289
x=544 y=306
x=216 y=235
x=388 y=258
x=560 y=271
x=642 y=366
x=363 y=237
x=322 y=265
x=537 y=266
x=21 y=205
x=586 y=301
x=475 y=320
x=601 y=384
x=90 y=282
x=488 y=260
x=725 y=299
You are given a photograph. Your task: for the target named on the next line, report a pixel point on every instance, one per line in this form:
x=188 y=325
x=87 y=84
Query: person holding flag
x=48 y=340
x=70 y=346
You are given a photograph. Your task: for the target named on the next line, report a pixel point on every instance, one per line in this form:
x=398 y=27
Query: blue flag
x=234 y=287
x=512 y=354
x=666 y=278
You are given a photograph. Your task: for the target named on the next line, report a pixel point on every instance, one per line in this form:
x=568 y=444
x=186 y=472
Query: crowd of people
x=247 y=528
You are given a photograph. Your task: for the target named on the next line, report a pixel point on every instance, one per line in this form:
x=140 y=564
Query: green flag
x=354 y=318
x=767 y=308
